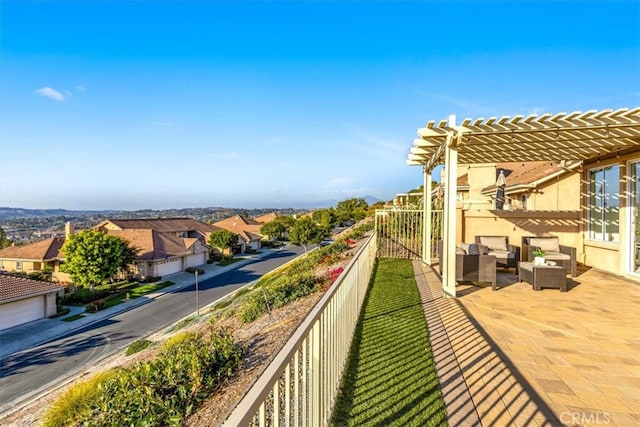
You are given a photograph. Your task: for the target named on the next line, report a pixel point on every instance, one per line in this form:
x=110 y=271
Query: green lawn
x=136 y=292
x=390 y=378
x=229 y=261
x=72 y=318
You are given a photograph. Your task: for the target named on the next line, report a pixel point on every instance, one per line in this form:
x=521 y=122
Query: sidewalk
x=38 y=332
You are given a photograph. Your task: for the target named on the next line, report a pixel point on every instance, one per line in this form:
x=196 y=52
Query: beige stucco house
x=24 y=300
x=35 y=257
x=164 y=246
x=587 y=191
x=247 y=229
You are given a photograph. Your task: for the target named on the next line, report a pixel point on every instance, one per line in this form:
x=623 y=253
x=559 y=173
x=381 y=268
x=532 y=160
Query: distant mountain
x=6 y=212
x=371 y=200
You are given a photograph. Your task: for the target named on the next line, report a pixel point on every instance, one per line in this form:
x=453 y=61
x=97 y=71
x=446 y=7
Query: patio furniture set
x=478 y=262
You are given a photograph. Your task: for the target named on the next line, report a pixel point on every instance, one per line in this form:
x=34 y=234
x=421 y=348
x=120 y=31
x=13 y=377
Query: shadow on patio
x=515 y=357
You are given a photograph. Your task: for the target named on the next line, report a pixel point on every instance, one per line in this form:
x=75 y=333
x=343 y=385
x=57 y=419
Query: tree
x=305 y=231
x=351 y=210
x=92 y=256
x=223 y=239
x=273 y=229
x=4 y=242
x=326 y=218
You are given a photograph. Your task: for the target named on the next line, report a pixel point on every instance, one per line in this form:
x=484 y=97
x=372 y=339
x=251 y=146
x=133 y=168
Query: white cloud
x=50 y=93
x=80 y=88
x=276 y=140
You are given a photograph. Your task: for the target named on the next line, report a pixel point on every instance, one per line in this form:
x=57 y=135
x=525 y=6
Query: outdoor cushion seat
x=562 y=255
x=507 y=255
x=472 y=266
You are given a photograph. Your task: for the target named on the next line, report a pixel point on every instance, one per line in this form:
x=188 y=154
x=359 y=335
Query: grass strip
x=72 y=318
x=226 y=262
x=136 y=292
x=390 y=378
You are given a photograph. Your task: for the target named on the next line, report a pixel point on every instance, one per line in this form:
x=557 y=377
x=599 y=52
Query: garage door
x=170 y=267
x=23 y=311
x=196 y=259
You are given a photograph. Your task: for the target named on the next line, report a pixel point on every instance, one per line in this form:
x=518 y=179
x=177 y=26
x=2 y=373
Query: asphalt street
x=27 y=374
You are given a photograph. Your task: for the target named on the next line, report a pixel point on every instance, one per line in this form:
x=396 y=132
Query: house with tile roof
x=178 y=227
x=24 y=300
x=164 y=245
x=160 y=254
x=247 y=229
x=43 y=255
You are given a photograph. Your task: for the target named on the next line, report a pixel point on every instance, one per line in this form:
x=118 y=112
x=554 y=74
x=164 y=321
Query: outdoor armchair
x=507 y=255
x=562 y=255
x=471 y=265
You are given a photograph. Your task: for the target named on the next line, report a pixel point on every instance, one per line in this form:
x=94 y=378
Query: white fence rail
x=300 y=385
x=400 y=232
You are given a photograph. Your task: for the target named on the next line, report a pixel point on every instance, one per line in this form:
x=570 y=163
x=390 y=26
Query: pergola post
x=426 y=234
x=449 y=213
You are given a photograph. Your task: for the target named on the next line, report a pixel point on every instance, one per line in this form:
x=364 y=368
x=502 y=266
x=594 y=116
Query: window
x=604 y=203
x=18 y=265
x=523 y=201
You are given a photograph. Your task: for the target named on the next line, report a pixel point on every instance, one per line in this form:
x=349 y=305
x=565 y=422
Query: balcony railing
x=300 y=385
x=400 y=233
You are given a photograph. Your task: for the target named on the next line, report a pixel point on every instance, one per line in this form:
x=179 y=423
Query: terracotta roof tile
x=164 y=225
x=46 y=249
x=14 y=287
x=263 y=219
x=238 y=223
x=153 y=245
x=518 y=173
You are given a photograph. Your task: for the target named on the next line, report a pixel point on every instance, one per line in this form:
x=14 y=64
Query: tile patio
x=518 y=357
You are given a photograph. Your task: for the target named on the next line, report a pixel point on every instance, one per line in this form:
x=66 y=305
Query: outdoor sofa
x=564 y=256
x=507 y=255
x=471 y=265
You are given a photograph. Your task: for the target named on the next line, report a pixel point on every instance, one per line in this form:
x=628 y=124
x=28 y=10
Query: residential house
x=164 y=245
x=178 y=227
x=160 y=254
x=24 y=300
x=35 y=257
x=247 y=229
x=583 y=185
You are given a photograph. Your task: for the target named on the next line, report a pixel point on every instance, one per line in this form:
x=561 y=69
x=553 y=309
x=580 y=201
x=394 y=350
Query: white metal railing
x=400 y=232
x=300 y=385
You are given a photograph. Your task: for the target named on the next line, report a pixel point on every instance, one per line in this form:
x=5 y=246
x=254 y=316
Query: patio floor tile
x=545 y=358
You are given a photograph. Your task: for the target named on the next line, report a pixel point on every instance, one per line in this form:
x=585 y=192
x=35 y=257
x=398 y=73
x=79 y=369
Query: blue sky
x=160 y=104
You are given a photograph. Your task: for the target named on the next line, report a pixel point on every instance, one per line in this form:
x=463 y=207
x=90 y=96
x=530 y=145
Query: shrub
x=137 y=346
x=161 y=391
x=76 y=402
x=83 y=296
x=279 y=293
x=193 y=270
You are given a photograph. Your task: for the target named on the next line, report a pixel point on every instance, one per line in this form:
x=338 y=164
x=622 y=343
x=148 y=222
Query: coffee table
x=539 y=276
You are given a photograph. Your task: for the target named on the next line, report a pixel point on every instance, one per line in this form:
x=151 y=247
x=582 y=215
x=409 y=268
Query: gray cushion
x=494 y=242
x=470 y=248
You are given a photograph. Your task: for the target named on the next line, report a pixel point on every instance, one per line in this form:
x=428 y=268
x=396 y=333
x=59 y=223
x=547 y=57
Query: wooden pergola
x=561 y=137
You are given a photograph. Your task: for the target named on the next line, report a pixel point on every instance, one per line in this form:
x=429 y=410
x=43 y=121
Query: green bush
x=76 y=402
x=137 y=346
x=84 y=296
x=193 y=270
x=286 y=289
x=161 y=391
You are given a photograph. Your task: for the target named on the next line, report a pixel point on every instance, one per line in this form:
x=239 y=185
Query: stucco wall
x=516 y=224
